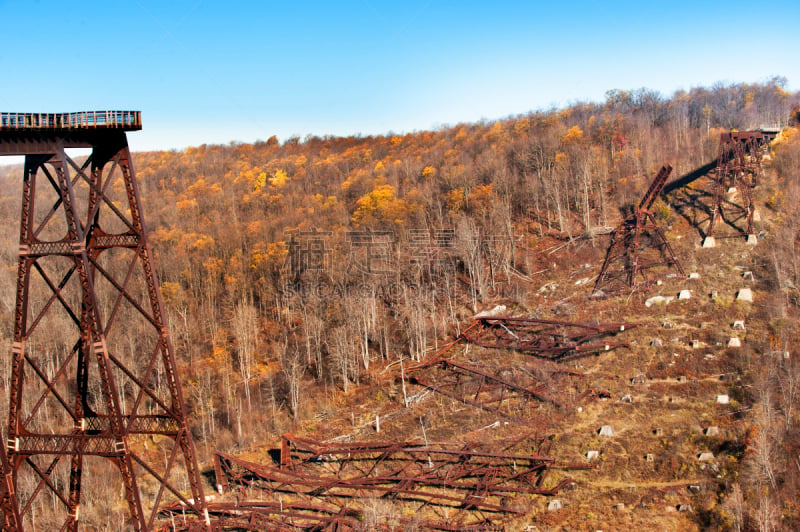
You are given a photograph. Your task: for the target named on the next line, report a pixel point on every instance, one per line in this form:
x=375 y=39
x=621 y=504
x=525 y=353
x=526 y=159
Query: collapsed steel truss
x=294 y=516
x=508 y=391
x=738 y=168
x=505 y=391
x=277 y=516
x=637 y=246
x=548 y=339
x=93 y=373
x=473 y=487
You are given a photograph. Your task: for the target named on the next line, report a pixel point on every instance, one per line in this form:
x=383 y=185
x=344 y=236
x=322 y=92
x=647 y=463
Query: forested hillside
x=296 y=272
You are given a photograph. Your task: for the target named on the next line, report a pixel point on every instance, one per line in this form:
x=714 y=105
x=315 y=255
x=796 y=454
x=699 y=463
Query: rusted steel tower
x=95 y=402
x=637 y=245
x=738 y=169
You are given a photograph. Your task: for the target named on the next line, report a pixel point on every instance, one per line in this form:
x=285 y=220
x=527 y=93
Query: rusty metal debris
x=637 y=246
x=278 y=516
x=509 y=391
x=294 y=516
x=466 y=484
x=548 y=339
x=85 y=270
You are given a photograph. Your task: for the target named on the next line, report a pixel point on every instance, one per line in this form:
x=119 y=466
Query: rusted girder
x=8 y=500
x=637 y=246
x=548 y=339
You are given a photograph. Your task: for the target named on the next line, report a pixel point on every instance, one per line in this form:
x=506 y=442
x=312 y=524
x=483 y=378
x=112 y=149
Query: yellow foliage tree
x=278 y=179
x=379 y=207
x=573 y=136
x=259 y=181
x=456 y=200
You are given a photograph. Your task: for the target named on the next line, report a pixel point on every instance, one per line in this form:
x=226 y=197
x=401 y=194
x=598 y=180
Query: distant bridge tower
x=96 y=416
x=738 y=169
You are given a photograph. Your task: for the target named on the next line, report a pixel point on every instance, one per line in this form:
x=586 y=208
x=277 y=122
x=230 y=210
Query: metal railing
x=128 y=120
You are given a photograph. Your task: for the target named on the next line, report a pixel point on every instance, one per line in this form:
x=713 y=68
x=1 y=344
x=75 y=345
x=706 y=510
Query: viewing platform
x=43 y=133
x=53 y=122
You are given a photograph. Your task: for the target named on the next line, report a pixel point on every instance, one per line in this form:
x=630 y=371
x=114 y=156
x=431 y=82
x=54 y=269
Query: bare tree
x=245 y=330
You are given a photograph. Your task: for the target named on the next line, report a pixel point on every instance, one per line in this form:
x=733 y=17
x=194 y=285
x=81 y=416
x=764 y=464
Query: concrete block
x=738 y=325
x=592 y=455
x=723 y=399
x=734 y=342
x=712 y=430
x=709 y=242
x=554 y=505
x=694 y=275
x=705 y=457
x=752 y=240
x=745 y=294
x=684 y=294
x=658 y=300
x=606 y=430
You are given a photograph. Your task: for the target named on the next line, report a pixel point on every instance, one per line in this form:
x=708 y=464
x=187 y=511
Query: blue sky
x=215 y=72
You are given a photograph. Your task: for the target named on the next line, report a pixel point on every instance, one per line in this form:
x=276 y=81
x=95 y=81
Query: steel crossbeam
x=637 y=246
x=93 y=371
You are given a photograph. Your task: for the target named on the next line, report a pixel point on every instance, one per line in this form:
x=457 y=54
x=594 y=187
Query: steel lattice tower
x=95 y=402
x=637 y=245
x=738 y=168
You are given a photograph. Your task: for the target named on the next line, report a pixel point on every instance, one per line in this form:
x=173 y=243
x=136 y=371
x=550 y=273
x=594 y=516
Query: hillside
x=304 y=280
